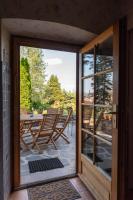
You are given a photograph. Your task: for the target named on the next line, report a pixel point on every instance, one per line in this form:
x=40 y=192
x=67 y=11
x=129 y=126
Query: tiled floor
x=65 y=152
x=80 y=187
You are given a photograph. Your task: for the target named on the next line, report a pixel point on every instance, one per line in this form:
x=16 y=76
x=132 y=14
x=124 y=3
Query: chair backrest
x=60 y=111
x=52 y=111
x=67 y=119
x=49 y=121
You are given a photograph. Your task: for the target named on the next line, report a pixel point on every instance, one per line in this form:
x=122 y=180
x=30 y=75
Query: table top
x=31 y=117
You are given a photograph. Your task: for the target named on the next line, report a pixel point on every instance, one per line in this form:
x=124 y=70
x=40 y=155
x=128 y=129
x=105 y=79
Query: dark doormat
x=59 y=190
x=44 y=164
x=97 y=159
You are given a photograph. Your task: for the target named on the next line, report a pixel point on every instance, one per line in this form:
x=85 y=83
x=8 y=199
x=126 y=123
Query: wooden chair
x=25 y=132
x=52 y=111
x=61 y=125
x=43 y=134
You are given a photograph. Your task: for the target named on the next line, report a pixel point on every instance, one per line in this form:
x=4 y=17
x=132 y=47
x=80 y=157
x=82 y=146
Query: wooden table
x=30 y=117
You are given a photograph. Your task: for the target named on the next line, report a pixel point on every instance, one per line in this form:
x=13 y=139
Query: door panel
x=97 y=99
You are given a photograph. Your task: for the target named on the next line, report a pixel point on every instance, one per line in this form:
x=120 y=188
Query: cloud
x=54 y=61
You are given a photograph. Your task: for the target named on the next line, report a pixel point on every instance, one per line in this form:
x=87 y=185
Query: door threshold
x=28 y=185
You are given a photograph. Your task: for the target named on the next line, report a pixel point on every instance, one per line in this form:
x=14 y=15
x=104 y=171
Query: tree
x=37 y=72
x=25 y=85
x=53 y=92
x=103 y=83
x=69 y=100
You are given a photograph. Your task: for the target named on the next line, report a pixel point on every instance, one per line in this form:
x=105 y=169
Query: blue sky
x=62 y=64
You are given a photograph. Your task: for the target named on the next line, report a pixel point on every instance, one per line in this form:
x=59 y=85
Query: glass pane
x=87 y=145
x=104 y=55
x=88 y=90
x=104 y=89
x=103 y=157
x=88 y=63
x=103 y=122
x=88 y=118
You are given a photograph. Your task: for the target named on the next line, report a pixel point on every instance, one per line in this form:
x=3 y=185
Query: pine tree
x=25 y=85
x=53 y=92
x=103 y=83
x=37 y=72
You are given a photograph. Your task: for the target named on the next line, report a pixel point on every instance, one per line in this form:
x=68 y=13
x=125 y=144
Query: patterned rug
x=59 y=190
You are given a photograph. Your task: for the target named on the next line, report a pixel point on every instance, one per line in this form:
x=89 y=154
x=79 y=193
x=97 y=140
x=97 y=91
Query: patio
x=65 y=152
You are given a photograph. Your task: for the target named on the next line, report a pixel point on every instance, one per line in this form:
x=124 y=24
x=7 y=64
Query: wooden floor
x=84 y=193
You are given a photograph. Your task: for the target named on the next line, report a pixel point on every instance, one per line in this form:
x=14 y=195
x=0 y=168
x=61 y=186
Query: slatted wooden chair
x=52 y=111
x=25 y=133
x=61 y=126
x=43 y=134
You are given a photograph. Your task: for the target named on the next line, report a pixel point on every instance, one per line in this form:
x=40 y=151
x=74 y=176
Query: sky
x=62 y=64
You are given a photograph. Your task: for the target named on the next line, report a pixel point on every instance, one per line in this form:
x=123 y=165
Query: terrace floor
x=65 y=152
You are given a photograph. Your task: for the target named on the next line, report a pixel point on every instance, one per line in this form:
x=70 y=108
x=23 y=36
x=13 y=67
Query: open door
x=98 y=105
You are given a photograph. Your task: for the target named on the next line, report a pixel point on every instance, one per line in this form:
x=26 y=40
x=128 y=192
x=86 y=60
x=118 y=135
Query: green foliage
x=58 y=98
x=35 y=94
x=37 y=71
x=53 y=92
x=69 y=100
x=25 y=85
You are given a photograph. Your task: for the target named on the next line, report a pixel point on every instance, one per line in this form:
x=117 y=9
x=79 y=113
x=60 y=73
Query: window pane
x=88 y=63
x=87 y=145
x=88 y=90
x=104 y=55
x=104 y=86
x=103 y=122
x=88 y=118
x=103 y=157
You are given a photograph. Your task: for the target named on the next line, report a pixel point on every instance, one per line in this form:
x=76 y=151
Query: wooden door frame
x=16 y=42
x=119 y=139
x=121 y=53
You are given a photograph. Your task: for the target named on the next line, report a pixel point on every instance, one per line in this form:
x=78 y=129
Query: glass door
x=98 y=115
x=97 y=84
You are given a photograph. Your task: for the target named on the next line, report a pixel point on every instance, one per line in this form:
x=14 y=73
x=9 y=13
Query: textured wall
x=5 y=72
x=92 y=15
x=1 y=126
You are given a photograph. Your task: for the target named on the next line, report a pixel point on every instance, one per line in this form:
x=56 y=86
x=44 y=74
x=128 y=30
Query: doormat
x=59 y=190
x=44 y=165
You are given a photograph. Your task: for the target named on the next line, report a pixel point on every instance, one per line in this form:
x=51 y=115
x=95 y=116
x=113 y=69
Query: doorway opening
x=47 y=114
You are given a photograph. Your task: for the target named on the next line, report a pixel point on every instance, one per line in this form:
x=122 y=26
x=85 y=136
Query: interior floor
x=65 y=152
x=80 y=187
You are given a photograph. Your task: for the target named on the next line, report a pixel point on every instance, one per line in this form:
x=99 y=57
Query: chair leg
x=53 y=142
x=65 y=138
x=57 y=135
x=38 y=148
x=60 y=133
x=21 y=139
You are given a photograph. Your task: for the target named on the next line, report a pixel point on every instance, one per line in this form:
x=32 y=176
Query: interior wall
x=1 y=126
x=87 y=14
x=130 y=114
x=128 y=161
x=5 y=102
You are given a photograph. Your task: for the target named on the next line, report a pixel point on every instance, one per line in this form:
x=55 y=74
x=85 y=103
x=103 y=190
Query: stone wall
x=5 y=102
